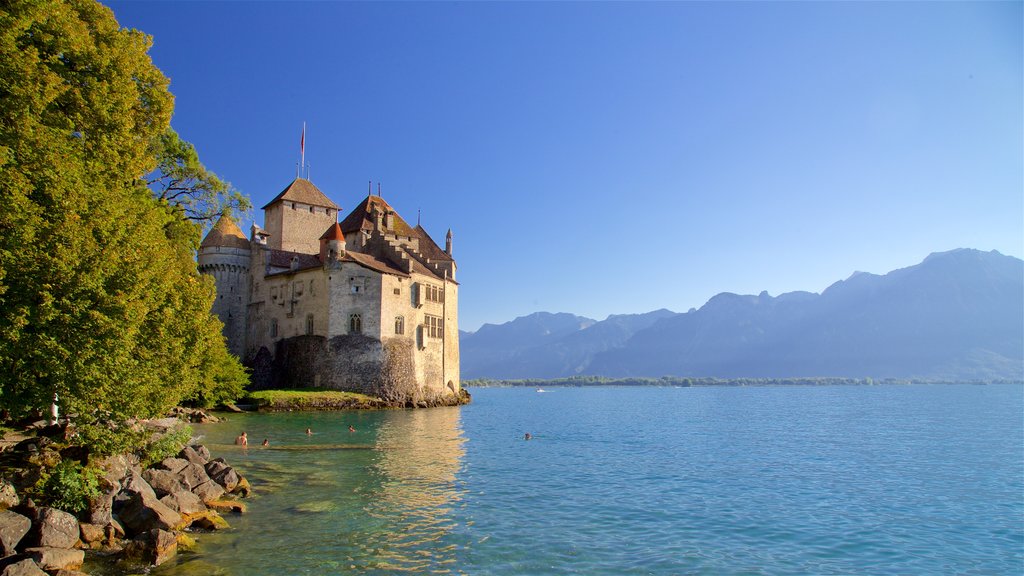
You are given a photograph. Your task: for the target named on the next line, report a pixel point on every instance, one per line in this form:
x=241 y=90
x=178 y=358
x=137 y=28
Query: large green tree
x=100 y=301
x=182 y=181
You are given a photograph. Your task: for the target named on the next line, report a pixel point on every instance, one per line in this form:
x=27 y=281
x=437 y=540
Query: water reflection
x=418 y=456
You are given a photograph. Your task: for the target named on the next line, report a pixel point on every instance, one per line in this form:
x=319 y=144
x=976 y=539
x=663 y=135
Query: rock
x=222 y=474
x=162 y=424
x=69 y=573
x=117 y=468
x=113 y=531
x=185 y=542
x=208 y=491
x=101 y=509
x=13 y=528
x=189 y=453
x=184 y=502
x=173 y=464
x=223 y=506
x=243 y=488
x=163 y=482
x=26 y=567
x=8 y=495
x=51 y=559
x=206 y=520
x=144 y=512
x=54 y=528
x=153 y=547
x=32 y=445
x=202 y=451
x=136 y=484
x=91 y=533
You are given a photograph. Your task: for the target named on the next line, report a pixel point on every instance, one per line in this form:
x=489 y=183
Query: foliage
x=182 y=181
x=107 y=438
x=100 y=300
x=165 y=446
x=69 y=486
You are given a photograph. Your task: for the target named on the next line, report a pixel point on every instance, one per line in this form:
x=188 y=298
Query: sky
x=616 y=158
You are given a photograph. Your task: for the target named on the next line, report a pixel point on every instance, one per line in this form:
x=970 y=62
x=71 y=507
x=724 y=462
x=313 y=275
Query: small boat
x=541 y=390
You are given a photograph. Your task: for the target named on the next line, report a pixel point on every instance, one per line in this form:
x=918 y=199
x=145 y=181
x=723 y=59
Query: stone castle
x=368 y=304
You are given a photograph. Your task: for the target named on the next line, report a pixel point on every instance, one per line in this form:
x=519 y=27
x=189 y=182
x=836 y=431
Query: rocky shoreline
x=141 y=517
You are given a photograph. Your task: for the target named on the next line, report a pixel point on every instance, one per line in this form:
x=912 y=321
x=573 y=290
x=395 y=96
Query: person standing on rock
x=242 y=440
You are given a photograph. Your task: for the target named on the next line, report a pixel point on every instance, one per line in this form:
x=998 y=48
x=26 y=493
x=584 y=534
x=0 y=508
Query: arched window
x=309 y=325
x=355 y=324
x=399 y=325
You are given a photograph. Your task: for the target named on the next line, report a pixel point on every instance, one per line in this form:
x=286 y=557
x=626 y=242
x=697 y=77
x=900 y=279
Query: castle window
x=309 y=325
x=399 y=325
x=434 y=326
x=433 y=293
x=398 y=291
x=293 y=205
x=355 y=324
x=310 y=209
x=273 y=328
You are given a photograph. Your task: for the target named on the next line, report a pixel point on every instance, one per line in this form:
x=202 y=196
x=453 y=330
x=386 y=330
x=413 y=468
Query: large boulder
x=154 y=547
x=192 y=455
x=143 y=512
x=91 y=534
x=206 y=520
x=202 y=451
x=52 y=559
x=192 y=475
x=13 y=528
x=163 y=482
x=25 y=567
x=219 y=471
x=101 y=509
x=184 y=502
x=208 y=491
x=117 y=468
x=54 y=528
x=173 y=464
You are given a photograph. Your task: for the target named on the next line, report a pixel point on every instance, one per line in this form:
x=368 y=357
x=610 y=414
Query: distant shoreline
x=683 y=382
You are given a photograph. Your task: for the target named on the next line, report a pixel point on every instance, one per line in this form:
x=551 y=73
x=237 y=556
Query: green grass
x=311 y=399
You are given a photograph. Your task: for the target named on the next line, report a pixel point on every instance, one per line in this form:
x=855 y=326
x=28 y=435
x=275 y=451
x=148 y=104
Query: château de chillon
x=368 y=304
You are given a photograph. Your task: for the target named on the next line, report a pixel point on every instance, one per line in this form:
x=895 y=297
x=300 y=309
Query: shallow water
x=773 y=480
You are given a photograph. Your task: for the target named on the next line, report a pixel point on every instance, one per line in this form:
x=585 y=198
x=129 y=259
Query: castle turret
x=332 y=244
x=225 y=255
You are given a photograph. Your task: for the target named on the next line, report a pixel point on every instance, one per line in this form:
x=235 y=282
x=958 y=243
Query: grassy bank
x=311 y=399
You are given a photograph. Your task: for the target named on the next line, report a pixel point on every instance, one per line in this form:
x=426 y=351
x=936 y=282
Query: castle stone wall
x=297 y=227
x=229 y=268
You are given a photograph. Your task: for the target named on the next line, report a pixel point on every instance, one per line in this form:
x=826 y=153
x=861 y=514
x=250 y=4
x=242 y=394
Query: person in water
x=242 y=440
x=350 y=428
x=266 y=441
x=309 y=432
x=527 y=436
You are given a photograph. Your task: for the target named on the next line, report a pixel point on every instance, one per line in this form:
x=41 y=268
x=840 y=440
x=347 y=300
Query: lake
x=718 y=480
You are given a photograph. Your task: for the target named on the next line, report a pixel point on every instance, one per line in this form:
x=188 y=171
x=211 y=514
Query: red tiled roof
x=361 y=218
x=303 y=191
x=333 y=233
x=428 y=247
x=225 y=233
x=283 y=259
x=372 y=263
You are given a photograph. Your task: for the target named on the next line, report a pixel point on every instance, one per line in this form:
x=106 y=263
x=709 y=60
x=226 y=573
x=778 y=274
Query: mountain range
x=958 y=315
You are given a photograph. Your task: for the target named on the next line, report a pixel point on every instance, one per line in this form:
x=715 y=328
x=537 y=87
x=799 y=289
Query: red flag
x=302 y=144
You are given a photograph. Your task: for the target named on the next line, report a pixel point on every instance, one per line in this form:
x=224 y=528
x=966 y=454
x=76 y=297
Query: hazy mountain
x=544 y=345
x=956 y=315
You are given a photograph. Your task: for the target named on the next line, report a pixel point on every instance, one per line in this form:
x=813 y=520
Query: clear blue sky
x=601 y=158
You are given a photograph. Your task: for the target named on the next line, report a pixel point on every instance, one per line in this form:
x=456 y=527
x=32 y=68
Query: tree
x=182 y=181
x=100 y=300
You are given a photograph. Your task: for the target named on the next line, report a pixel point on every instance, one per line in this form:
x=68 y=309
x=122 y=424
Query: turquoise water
x=773 y=480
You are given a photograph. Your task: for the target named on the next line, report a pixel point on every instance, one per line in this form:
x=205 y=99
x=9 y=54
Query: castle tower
x=224 y=254
x=297 y=216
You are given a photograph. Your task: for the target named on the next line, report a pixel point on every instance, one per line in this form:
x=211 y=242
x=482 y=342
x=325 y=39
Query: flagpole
x=302 y=145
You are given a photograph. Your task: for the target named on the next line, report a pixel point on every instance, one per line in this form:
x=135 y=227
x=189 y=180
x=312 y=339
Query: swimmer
x=350 y=428
x=242 y=440
x=527 y=436
x=309 y=432
x=266 y=441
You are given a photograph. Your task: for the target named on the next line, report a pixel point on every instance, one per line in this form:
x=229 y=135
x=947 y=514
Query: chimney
x=448 y=243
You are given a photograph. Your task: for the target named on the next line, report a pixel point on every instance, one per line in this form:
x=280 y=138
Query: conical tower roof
x=226 y=234
x=333 y=233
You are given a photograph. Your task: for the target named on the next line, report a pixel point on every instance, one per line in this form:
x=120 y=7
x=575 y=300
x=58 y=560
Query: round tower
x=225 y=255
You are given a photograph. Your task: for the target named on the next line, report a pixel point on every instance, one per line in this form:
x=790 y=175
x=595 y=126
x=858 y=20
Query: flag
x=302 y=144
